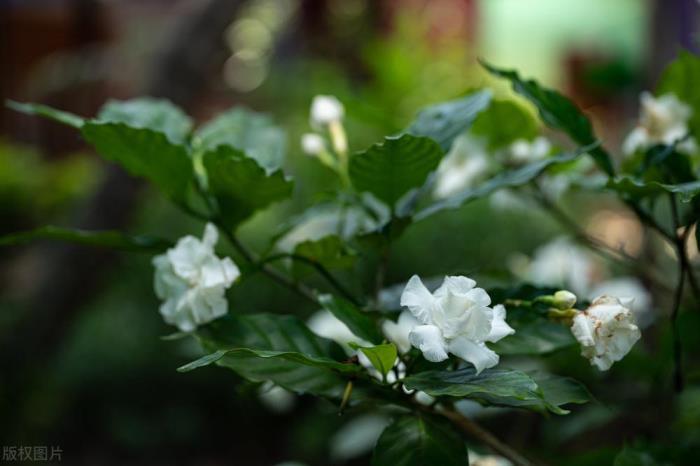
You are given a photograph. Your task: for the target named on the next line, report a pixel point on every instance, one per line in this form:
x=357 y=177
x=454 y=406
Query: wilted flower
x=663 y=120
x=630 y=287
x=192 y=280
x=326 y=109
x=312 y=144
x=397 y=332
x=456 y=318
x=523 y=151
x=606 y=331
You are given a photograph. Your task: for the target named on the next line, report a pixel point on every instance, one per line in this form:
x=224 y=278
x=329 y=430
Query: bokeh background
x=83 y=366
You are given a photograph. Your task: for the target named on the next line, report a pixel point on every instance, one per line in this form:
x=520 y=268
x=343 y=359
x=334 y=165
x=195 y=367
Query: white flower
x=312 y=144
x=663 y=120
x=276 y=398
x=326 y=109
x=562 y=264
x=487 y=460
x=325 y=324
x=606 y=331
x=456 y=318
x=397 y=332
x=465 y=164
x=523 y=151
x=192 y=280
x=632 y=288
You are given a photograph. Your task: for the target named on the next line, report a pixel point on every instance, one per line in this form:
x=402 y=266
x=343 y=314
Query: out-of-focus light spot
x=274 y=13
x=348 y=8
x=245 y=74
x=618 y=230
x=250 y=36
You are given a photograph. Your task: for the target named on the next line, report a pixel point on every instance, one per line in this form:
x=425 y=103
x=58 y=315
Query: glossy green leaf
x=143 y=152
x=390 y=169
x=329 y=251
x=146 y=112
x=635 y=189
x=508 y=179
x=536 y=337
x=559 y=113
x=445 y=121
x=420 y=440
x=560 y=391
x=109 y=239
x=504 y=122
x=681 y=78
x=358 y=321
x=382 y=357
x=496 y=387
x=249 y=132
x=240 y=185
x=45 y=111
x=279 y=348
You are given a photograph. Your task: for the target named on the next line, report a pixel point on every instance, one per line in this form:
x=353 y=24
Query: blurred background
x=83 y=366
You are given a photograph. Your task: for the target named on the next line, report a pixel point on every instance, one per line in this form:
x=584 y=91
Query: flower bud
x=564 y=299
x=326 y=109
x=312 y=144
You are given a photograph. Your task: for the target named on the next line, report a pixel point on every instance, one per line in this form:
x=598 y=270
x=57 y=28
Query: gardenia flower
x=466 y=163
x=456 y=318
x=523 y=151
x=398 y=332
x=663 y=120
x=641 y=304
x=606 y=331
x=326 y=109
x=312 y=144
x=192 y=280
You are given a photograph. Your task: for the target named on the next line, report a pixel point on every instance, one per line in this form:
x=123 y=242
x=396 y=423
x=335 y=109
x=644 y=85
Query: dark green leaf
x=389 y=170
x=445 y=121
x=681 y=78
x=241 y=186
x=109 y=239
x=247 y=131
x=537 y=337
x=504 y=122
x=558 y=112
x=559 y=391
x=420 y=441
x=634 y=457
x=359 y=323
x=47 y=112
x=146 y=112
x=143 y=152
x=382 y=357
x=279 y=348
x=329 y=251
x=496 y=387
x=636 y=189
x=509 y=179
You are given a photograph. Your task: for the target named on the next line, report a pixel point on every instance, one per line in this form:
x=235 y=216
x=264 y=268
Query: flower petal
x=583 y=329
x=211 y=236
x=418 y=300
x=429 y=340
x=456 y=284
x=476 y=353
x=499 y=327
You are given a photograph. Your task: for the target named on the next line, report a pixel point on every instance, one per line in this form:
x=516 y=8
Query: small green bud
x=564 y=299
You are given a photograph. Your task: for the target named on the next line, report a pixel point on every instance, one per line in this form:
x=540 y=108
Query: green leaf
x=681 y=78
x=634 y=457
x=508 y=179
x=559 y=391
x=143 y=152
x=45 y=111
x=632 y=188
x=146 y=112
x=420 y=441
x=110 y=239
x=494 y=387
x=536 y=337
x=504 y=122
x=391 y=169
x=559 y=113
x=279 y=348
x=241 y=186
x=445 y=121
x=359 y=322
x=247 y=131
x=329 y=251
x=382 y=357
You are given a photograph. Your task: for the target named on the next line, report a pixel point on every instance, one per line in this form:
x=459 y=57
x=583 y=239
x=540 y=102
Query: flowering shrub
x=418 y=349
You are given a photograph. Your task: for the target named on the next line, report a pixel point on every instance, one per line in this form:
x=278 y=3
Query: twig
x=681 y=249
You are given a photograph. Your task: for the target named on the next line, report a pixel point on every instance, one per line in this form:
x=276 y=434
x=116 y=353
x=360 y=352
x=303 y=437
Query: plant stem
x=677 y=349
x=319 y=268
x=680 y=242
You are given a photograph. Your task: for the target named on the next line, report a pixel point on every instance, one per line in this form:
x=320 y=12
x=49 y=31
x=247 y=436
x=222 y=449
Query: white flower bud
x=326 y=109
x=606 y=331
x=564 y=299
x=312 y=144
